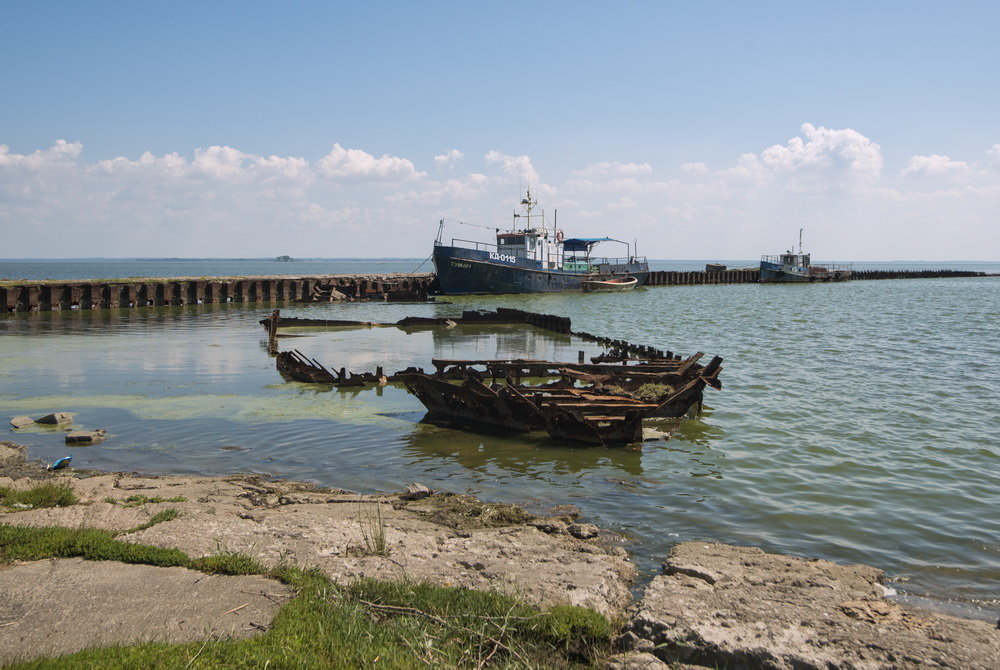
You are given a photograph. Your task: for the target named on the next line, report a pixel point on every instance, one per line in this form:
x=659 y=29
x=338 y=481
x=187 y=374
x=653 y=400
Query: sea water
x=858 y=421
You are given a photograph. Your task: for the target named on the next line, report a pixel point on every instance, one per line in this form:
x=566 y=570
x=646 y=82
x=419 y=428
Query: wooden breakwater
x=915 y=274
x=692 y=277
x=752 y=276
x=154 y=292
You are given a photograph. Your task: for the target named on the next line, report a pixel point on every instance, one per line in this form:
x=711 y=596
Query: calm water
x=858 y=421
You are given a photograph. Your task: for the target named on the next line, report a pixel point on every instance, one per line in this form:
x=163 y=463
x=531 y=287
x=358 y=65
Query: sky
x=712 y=130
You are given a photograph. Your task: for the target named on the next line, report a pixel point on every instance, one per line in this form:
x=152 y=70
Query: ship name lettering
x=503 y=258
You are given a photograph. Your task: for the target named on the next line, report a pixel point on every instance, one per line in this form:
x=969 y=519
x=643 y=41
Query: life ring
x=559 y=236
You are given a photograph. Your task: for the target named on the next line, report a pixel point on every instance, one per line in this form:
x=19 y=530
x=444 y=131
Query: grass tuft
x=159 y=517
x=372 y=528
x=581 y=632
x=228 y=563
x=49 y=494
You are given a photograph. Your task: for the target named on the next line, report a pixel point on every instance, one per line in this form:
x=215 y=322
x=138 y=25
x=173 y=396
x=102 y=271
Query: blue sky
x=705 y=129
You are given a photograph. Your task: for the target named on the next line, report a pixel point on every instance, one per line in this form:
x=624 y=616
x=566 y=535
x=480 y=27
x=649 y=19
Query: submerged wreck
x=601 y=402
x=608 y=409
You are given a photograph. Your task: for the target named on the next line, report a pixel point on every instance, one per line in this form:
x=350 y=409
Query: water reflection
x=528 y=454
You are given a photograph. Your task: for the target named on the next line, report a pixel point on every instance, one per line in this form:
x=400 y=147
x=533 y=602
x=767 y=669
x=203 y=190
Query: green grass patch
x=31 y=544
x=228 y=563
x=49 y=494
x=159 y=517
x=369 y=624
x=374 y=624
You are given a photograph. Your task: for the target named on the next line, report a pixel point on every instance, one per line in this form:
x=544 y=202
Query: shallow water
x=857 y=421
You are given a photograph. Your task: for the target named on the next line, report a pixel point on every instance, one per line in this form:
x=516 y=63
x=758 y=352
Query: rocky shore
x=714 y=606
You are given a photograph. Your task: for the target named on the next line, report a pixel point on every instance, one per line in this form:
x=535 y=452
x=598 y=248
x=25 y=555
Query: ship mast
x=528 y=205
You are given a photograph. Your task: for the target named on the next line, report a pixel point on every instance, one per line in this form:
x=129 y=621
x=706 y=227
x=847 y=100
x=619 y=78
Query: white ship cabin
x=539 y=244
x=543 y=245
x=795 y=260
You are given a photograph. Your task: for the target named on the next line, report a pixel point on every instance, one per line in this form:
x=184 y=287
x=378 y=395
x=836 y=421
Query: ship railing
x=833 y=267
x=624 y=260
x=771 y=259
x=479 y=246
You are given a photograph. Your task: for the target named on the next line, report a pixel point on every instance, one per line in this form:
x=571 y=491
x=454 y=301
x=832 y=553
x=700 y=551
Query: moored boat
x=530 y=258
x=610 y=285
x=791 y=267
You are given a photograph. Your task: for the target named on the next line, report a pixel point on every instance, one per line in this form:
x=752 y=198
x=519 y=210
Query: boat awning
x=583 y=243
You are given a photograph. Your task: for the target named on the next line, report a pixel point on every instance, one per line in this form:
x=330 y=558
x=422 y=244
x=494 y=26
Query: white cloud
x=993 y=156
x=934 y=165
x=355 y=163
x=516 y=166
x=695 y=168
x=846 y=151
x=62 y=153
x=453 y=156
x=223 y=163
x=222 y=201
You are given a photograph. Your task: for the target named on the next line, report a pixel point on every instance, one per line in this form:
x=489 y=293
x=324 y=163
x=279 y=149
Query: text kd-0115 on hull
x=530 y=259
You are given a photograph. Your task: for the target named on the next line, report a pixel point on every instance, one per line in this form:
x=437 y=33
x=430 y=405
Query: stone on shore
x=82 y=437
x=635 y=660
x=55 y=607
x=11 y=454
x=737 y=607
x=445 y=539
x=56 y=419
x=415 y=491
x=22 y=421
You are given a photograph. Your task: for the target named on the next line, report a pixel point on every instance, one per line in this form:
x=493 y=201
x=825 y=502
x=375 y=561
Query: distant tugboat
x=791 y=267
x=532 y=259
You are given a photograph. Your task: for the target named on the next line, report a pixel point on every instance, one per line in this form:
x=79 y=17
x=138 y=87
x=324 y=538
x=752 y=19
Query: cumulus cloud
x=934 y=165
x=695 y=168
x=515 y=166
x=826 y=149
x=993 y=156
x=355 y=163
x=453 y=156
x=61 y=153
x=222 y=201
x=220 y=162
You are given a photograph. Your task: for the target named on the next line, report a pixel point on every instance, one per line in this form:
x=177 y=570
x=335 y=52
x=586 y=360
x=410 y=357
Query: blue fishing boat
x=791 y=267
x=530 y=257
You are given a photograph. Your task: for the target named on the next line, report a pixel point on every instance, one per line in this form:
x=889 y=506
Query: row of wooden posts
x=44 y=296
x=124 y=294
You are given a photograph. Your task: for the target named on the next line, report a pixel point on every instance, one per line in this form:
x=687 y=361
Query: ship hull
x=774 y=273
x=460 y=270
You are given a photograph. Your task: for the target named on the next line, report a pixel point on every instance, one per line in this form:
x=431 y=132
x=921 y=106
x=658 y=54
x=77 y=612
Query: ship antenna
x=800 y=241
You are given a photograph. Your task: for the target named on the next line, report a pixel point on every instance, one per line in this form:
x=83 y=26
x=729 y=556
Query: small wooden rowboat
x=616 y=284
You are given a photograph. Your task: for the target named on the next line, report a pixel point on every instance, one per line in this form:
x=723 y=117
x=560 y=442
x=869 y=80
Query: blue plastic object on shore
x=60 y=464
